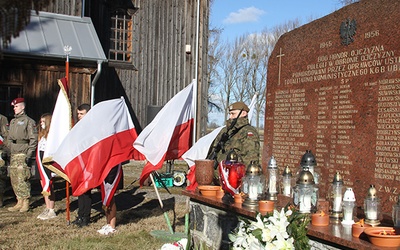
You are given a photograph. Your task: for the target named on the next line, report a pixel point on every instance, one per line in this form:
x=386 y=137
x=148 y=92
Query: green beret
x=239 y=106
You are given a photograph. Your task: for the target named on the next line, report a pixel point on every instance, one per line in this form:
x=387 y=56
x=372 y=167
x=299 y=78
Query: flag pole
x=162 y=205
x=252 y=106
x=164 y=235
x=197 y=88
x=67 y=51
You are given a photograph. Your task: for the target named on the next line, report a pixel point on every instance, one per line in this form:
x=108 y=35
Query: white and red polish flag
x=60 y=126
x=169 y=135
x=108 y=188
x=102 y=139
x=1 y=140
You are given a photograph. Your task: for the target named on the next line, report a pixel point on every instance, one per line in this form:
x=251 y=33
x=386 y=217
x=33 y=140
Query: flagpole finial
x=67 y=49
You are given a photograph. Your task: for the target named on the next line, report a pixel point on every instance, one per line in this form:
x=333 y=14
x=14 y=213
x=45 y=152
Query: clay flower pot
x=357 y=229
x=266 y=206
x=204 y=172
x=238 y=198
x=220 y=193
x=320 y=219
x=383 y=236
x=207 y=190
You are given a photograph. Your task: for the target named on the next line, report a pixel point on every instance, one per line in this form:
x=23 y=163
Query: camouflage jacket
x=246 y=142
x=3 y=131
x=22 y=135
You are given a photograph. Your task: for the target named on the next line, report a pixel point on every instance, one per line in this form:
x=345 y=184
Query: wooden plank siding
x=39 y=84
x=161 y=30
x=160 y=66
x=68 y=7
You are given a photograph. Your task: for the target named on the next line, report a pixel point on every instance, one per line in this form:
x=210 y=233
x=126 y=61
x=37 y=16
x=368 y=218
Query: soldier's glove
x=4 y=156
x=28 y=161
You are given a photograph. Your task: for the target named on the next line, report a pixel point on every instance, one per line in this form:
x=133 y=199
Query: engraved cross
x=280 y=63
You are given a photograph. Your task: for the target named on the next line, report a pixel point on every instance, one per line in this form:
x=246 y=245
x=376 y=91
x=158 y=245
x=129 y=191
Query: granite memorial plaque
x=333 y=88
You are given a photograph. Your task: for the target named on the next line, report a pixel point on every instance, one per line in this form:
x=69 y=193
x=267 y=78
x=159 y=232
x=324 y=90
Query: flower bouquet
x=277 y=230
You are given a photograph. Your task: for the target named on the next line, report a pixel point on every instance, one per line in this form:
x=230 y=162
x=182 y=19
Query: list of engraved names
x=388 y=130
x=288 y=128
x=335 y=125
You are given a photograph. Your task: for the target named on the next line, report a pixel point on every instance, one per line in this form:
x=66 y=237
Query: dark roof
x=48 y=33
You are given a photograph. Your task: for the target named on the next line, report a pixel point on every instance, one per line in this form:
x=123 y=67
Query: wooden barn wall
x=40 y=87
x=161 y=31
x=67 y=7
x=161 y=67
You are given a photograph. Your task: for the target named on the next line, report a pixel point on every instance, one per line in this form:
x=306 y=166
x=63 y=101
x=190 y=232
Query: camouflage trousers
x=19 y=175
x=3 y=175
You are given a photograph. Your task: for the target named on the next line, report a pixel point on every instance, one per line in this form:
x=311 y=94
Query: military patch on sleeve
x=250 y=133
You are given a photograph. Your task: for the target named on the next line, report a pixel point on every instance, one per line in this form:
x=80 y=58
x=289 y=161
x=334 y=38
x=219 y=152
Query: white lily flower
x=278 y=224
x=266 y=235
x=258 y=223
x=271 y=232
x=240 y=242
x=283 y=244
x=254 y=243
x=270 y=246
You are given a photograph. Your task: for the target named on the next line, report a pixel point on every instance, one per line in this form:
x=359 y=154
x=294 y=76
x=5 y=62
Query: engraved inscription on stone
x=334 y=129
x=341 y=102
x=388 y=130
x=289 y=113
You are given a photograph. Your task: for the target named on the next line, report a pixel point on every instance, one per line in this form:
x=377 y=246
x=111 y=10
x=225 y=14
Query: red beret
x=17 y=100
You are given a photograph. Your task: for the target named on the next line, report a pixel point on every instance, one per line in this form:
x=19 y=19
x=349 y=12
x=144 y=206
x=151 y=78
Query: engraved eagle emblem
x=347 y=31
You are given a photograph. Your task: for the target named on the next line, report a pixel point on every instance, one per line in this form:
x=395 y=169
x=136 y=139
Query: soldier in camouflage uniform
x=22 y=141
x=243 y=137
x=3 y=153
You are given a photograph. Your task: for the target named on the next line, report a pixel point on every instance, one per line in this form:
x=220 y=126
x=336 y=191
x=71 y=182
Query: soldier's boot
x=17 y=207
x=25 y=205
x=1 y=200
